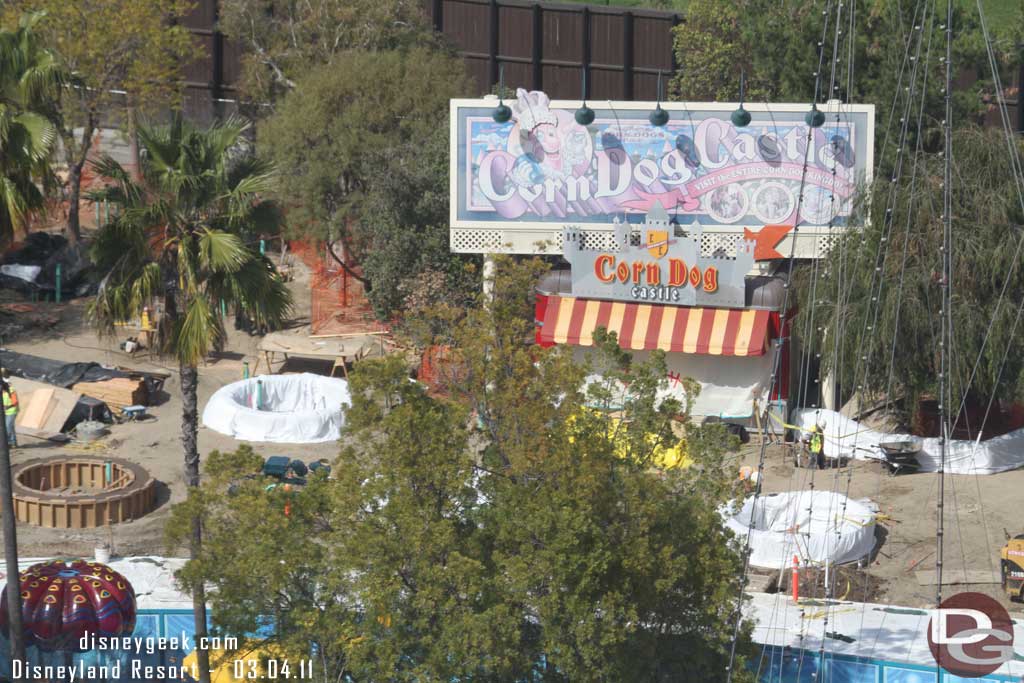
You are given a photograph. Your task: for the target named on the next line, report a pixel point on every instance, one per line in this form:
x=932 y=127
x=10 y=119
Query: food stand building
x=675 y=236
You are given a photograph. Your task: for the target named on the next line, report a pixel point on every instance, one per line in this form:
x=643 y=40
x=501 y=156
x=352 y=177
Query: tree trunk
x=16 y=631
x=348 y=269
x=133 y=144
x=199 y=607
x=75 y=155
x=189 y=436
x=74 y=230
x=190 y=422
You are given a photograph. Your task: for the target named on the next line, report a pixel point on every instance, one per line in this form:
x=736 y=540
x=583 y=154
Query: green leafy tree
x=362 y=144
x=986 y=259
x=406 y=213
x=127 y=56
x=775 y=45
x=508 y=535
x=182 y=237
x=30 y=81
x=283 y=40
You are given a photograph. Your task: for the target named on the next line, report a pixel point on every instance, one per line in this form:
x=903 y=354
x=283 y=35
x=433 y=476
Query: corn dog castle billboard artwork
x=540 y=170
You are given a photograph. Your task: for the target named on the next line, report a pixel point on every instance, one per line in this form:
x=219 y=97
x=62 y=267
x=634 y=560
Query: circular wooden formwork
x=81 y=492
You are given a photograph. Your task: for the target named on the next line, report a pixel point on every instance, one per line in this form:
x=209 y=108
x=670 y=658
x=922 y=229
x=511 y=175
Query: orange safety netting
x=338 y=300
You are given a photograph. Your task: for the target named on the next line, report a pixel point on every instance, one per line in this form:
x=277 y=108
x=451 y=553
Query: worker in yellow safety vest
x=10 y=411
x=817 y=446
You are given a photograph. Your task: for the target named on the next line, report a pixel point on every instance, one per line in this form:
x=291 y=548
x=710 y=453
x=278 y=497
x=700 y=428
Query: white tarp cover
x=847 y=438
x=302 y=408
x=804 y=523
x=26 y=273
x=877 y=633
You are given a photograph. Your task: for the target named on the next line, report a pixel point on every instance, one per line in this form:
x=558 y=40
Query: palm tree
x=30 y=82
x=181 y=238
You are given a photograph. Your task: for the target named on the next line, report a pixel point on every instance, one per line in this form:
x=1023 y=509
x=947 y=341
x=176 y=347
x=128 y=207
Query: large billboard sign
x=541 y=170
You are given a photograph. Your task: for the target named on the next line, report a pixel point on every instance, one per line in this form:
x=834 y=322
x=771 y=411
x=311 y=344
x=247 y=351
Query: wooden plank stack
x=119 y=392
x=38 y=409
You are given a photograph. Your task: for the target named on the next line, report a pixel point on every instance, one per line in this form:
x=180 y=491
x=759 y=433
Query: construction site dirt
x=901 y=569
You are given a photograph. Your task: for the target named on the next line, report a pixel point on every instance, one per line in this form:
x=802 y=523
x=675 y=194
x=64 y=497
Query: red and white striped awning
x=711 y=331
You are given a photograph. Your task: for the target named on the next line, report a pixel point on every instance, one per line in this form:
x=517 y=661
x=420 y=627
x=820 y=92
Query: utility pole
x=16 y=632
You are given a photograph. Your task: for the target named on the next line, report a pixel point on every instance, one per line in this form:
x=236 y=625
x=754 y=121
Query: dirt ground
x=155 y=443
x=978 y=509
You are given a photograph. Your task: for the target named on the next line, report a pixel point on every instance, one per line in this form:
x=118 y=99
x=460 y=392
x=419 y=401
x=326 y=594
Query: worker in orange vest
x=10 y=397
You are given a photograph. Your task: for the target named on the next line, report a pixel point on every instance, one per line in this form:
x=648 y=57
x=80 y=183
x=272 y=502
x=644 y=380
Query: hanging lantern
x=815 y=118
x=741 y=117
x=658 y=117
x=63 y=600
x=501 y=113
x=584 y=115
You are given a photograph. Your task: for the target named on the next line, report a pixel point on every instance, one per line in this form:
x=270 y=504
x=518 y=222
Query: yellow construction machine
x=1012 y=555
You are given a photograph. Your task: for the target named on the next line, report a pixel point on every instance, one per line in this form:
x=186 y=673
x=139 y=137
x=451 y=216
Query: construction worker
x=817 y=446
x=10 y=397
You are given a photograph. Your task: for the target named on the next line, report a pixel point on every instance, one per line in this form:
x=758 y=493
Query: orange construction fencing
x=338 y=300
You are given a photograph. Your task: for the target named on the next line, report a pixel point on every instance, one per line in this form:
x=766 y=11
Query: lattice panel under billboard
x=477 y=241
x=825 y=244
x=718 y=244
x=810 y=243
x=599 y=240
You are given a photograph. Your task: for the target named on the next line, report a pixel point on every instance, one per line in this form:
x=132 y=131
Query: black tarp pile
x=65 y=375
x=46 y=251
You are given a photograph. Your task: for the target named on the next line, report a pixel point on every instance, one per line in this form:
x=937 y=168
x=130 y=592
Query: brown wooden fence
x=546 y=46
x=540 y=46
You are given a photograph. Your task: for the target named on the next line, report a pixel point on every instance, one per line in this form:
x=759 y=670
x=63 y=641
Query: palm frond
x=6 y=115
x=247 y=166
x=38 y=135
x=259 y=291
x=200 y=332
x=14 y=202
x=161 y=144
x=119 y=296
x=110 y=168
x=226 y=135
x=146 y=286
x=43 y=78
x=222 y=252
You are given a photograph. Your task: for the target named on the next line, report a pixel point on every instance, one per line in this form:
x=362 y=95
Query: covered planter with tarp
x=815 y=526
x=304 y=408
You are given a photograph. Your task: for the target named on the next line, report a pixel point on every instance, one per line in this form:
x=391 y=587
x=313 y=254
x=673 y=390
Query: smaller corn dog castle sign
x=655 y=265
